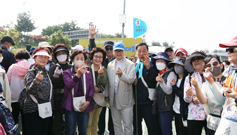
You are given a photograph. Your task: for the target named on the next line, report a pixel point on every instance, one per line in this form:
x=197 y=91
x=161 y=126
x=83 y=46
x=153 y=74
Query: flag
x=139 y=27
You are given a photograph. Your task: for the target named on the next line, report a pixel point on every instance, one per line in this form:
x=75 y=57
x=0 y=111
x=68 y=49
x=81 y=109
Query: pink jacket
x=15 y=75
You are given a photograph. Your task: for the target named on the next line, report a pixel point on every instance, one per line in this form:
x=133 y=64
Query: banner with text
x=139 y=27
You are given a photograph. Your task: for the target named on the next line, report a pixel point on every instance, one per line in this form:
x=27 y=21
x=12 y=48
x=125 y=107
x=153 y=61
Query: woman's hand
x=172 y=82
x=189 y=91
x=195 y=101
x=194 y=82
x=84 y=106
x=101 y=71
x=159 y=78
x=39 y=77
x=228 y=92
x=208 y=75
x=97 y=90
x=80 y=71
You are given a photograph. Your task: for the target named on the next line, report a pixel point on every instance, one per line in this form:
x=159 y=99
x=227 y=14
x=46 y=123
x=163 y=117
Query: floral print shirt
x=195 y=112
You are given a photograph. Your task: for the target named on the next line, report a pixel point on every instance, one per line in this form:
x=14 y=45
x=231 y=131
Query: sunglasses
x=196 y=58
x=107 y=49
x=214 y=64
x=231 y=50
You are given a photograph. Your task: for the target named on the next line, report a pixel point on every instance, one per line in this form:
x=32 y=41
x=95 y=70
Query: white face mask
x=1 y=58
x=10 y=48
x=62 y=58
x=78 y=63
x=160 y=66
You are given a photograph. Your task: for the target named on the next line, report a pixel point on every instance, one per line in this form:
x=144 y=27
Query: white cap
x=77 y=47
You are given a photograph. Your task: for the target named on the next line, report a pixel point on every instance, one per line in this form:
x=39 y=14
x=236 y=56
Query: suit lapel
x=112 y=73
x=123 y=67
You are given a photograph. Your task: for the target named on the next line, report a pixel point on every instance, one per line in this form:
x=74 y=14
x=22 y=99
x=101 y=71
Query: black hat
x=7 y=38
x=111 y=43
x=188 y=65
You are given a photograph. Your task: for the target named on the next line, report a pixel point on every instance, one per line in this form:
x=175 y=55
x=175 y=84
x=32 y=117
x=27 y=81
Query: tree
x=13 y=33
x=155 y=43
x=70 y=26
x=25 y=23
x=165 y=44
x=50 y=30
x=58 y=38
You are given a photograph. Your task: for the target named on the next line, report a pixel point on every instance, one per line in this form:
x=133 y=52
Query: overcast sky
x=191 y=24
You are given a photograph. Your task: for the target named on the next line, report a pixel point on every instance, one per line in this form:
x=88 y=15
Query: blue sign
x=139 y=27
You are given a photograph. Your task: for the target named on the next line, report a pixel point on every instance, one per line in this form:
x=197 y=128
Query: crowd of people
x=61 y=91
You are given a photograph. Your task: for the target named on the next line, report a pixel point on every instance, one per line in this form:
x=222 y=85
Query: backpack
x=7 y=121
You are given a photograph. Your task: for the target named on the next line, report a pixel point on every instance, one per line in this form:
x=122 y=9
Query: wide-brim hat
x=179 y=61
x=160 y=55
x=232 y=43
x=188 y=65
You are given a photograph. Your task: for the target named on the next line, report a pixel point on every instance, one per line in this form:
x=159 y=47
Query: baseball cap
x=166 y=49
x=32 y=49
x=7 y=38
x=118 y=46
x=232 y=43
x=111 y=43
x=181 y=50
x=77 y=47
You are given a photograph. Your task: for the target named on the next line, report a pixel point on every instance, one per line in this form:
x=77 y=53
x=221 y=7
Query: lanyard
x=93 y=73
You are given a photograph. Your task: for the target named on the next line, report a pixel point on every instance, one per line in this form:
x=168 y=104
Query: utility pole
x=123 y=23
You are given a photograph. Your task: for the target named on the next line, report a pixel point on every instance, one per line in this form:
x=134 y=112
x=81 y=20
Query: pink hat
x=42 y=52
x=181 y=50
x=232 y=43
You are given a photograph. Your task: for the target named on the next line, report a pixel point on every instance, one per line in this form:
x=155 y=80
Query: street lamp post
x=123 y=23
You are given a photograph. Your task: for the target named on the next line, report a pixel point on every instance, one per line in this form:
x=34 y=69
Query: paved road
x=106 y=133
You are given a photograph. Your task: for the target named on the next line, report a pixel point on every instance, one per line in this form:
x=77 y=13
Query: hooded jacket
x=5 y=87
x=15 y=75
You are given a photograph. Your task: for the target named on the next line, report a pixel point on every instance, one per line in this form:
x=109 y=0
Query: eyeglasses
x=231 y=50
x=214 y=64
x=107 y=49
x=196 y=58
x=98 y=57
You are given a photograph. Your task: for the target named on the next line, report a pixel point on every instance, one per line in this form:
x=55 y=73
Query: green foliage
x=165 y=44
x=117 y=35
x=25 y=23
x=58 y=38
x=13 y=33
x=67 y=26
x=70 y=26
x=50 y=30
x=155 y=43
